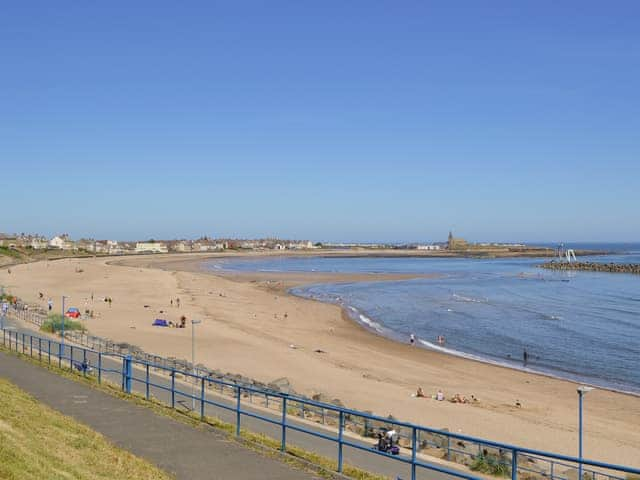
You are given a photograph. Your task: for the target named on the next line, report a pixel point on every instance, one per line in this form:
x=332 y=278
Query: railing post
x=340 y=431
x=448 y=448
x=128 y=373
x=71 y=357
x=39 y=349
x=59 y=355
x=146 y=383
x=238 y=410
x=202 y=398
x=30 y=346
x=99 y=367
x=552 y=465
x=514 y=464
x=173 y=388
x=283 y=437
x=414 y=451
x=49 y=352
x=84 y=362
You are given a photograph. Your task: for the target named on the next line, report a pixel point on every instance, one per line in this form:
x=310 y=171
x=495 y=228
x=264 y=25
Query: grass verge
x=38 y=442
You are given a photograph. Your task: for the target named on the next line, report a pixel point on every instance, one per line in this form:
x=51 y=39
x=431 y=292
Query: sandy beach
x=250 y=322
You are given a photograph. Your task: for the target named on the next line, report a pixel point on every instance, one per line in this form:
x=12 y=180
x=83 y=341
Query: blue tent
x=159 y=322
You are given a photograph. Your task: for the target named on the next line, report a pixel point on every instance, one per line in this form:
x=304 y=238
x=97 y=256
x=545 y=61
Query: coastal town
x=64 y=243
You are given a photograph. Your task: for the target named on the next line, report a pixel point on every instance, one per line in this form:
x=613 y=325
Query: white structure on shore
x=151 y=247
x=62 y=242
x=428 y=247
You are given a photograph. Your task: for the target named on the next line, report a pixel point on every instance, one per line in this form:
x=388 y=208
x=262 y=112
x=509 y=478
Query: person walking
x=50 y=304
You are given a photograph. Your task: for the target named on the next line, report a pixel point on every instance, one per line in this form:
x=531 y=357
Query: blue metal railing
x=130 y=372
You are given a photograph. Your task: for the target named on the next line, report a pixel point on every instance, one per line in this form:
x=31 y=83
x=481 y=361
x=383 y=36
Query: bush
x=491 y=465
x=53 y=324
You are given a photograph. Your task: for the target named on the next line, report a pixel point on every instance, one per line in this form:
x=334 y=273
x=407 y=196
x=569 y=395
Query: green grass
x=37 y=442
x=9 y=252
x=53 y=324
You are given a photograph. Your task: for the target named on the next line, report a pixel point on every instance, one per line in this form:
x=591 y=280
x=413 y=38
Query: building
x=151 y=247
x=428 y=247
x=456 y=243
x=303 y=245
x=62 y=242
x=39 y=243
x=181 y=246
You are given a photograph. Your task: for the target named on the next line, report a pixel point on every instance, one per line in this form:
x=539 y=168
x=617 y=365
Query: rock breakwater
x=633 y=268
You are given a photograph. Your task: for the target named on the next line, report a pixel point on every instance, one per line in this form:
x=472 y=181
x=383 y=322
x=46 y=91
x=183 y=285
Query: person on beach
x=420 y=393
x=440 y=396
x=49 y=303
x=525 y=357
x=412 y=339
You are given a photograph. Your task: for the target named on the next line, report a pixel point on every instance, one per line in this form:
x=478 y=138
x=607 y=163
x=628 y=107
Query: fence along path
x=322 y=428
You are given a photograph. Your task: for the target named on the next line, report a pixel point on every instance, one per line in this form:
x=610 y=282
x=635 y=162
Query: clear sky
x=332 y=120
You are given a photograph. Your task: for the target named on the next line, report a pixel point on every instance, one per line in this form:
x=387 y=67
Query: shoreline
x=430 y=347
x=246 y=330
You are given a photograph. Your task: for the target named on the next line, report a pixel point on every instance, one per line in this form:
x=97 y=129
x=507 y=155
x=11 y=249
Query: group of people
x=439 y=396
x=181 y=324
x=176 y=302
x=440 y=339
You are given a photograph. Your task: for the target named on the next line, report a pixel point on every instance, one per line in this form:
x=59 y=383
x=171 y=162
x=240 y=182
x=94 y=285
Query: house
x=8 y=241
x=39 y=243
x=180 y=246
x=151 y=247
x=428 y=247
x=303 y=245
x=62 y=242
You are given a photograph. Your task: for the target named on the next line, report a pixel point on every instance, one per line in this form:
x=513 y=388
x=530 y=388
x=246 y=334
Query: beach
x=251 y=326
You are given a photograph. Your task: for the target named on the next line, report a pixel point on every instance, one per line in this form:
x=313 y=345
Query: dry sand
x=249 y=325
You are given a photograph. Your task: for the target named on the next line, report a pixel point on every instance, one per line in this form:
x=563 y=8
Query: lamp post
x=193 y=362
x=62 y=329
x=582 y=390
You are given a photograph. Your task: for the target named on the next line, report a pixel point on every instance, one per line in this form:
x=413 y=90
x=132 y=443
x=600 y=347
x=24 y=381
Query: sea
x=582 y=326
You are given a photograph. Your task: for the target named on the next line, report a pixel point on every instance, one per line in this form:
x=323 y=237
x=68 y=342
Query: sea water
x=583 y=326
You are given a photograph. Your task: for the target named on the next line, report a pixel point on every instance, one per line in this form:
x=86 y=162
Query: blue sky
x=357 y=120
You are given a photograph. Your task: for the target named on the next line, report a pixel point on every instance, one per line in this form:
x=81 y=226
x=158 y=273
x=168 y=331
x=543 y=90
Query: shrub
x=53 y=324
x=491 y=465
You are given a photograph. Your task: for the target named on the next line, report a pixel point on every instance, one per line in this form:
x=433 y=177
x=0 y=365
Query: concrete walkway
x=182 y=450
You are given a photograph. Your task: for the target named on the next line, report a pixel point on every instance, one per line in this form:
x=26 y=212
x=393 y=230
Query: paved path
x=187 y=452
